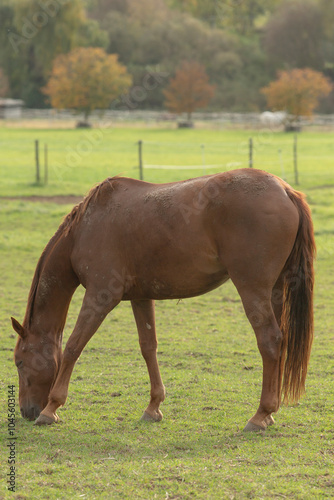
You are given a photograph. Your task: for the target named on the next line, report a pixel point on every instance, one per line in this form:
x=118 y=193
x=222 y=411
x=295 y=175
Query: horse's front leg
x=90 y=318
x=143 y=311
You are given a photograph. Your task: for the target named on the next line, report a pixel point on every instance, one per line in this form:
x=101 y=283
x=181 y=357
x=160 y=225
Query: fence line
x=274 y=156
x=181 y=167
x=250 y=146
x=110 y=116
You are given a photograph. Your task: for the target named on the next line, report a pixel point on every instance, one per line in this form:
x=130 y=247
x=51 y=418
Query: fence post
x=203 y=157
x=140 y=157
x=295 y=160
x=250 y=152
x=38 y=178
x=282 y=165
x=46 y=171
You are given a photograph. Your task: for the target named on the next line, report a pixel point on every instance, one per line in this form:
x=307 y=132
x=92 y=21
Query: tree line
x=242 y=45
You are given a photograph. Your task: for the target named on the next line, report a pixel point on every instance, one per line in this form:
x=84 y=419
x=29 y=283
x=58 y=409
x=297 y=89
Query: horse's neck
x=56 y=285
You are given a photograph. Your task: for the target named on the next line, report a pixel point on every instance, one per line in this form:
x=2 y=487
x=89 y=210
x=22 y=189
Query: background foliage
x=297 y=91
x=189 y=89
x=242 y=44
x=86 y=79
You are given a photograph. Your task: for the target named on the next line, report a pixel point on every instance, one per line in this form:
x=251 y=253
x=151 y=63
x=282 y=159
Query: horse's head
x=37 y=359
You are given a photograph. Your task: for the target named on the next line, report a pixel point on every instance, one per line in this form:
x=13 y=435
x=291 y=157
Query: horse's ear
x=18 y=328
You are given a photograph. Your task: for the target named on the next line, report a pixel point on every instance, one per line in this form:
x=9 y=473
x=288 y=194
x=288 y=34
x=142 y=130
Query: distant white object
x=11 y=108
x=273 y=119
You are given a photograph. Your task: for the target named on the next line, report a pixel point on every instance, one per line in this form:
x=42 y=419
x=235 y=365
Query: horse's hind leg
x=277 y=305
x=259 y=310
x=143 y=311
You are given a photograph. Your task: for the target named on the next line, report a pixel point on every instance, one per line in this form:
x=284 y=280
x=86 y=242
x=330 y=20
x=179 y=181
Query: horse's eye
x=19 y=364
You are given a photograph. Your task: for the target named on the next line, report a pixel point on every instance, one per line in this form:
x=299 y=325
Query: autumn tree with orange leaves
x=189 y=89
x=86 y=79
x=297 y=92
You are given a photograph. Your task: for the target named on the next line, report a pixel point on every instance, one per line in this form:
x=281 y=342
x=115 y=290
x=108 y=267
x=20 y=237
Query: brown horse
x=132 y=240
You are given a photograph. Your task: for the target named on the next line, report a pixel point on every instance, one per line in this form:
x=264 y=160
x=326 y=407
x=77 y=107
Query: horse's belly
x=174 y=287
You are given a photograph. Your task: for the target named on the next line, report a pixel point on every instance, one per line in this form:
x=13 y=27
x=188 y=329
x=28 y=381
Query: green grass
x=207 y=354
x=78 y=159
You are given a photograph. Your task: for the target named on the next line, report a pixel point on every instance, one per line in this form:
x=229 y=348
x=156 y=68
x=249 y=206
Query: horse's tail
x=297 y=312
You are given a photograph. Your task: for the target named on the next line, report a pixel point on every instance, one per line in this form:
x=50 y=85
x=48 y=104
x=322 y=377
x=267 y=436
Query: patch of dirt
x=59 y=199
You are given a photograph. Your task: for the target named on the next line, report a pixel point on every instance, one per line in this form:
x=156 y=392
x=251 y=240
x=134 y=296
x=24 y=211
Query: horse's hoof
x=250 y=427
x=45 y=420
x=150 y=418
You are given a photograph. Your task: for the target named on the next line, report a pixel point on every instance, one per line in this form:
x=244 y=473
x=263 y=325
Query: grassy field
x=207 y=352
x=77 y=159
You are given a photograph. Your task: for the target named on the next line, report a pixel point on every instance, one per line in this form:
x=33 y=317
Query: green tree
x=12 y=62
x=144 y=39
x=86 y=79
x=327 y=17
x=3 y=84
x=34 y=33
x=236 y=15
x=206 y=10
x=241 y=16
x=172 y=37
x=294 y=35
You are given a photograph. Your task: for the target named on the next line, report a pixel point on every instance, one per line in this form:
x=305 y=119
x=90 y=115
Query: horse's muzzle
x=30 y=413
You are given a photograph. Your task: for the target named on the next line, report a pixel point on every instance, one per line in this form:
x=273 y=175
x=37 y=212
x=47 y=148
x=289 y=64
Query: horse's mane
x=69 y=222
x=78 y=211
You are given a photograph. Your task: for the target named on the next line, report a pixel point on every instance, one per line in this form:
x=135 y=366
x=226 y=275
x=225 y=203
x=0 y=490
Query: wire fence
x=233 y=155
x=297 y=158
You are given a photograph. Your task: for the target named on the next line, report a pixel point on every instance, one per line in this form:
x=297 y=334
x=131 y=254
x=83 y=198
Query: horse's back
x=184 y=238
